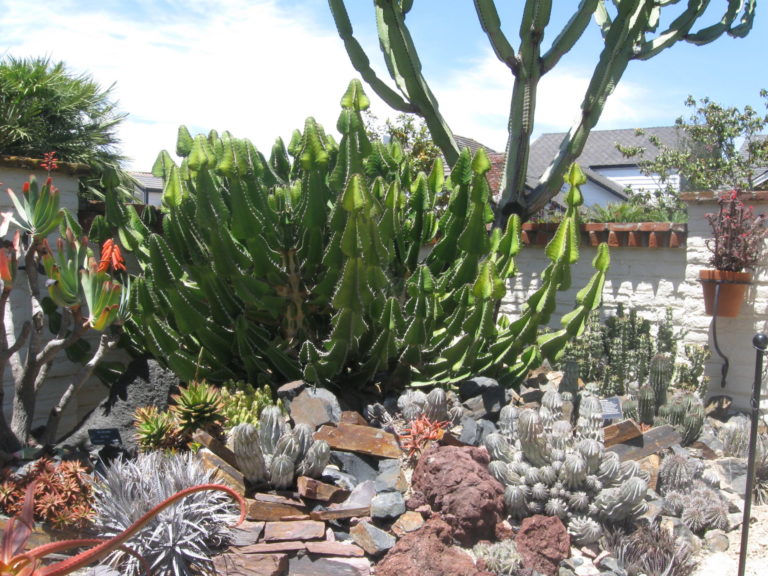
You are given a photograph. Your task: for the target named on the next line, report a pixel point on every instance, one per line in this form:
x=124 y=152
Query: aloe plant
x=81 y=297
x=315 y=264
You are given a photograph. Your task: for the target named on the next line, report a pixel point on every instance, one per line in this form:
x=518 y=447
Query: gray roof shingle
x=599 y=152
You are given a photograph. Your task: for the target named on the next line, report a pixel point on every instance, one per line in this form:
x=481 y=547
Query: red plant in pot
x=738 y=238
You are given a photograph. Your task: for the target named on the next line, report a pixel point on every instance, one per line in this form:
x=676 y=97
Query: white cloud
x=476 y=102
x=246 y=67
x=256 y=70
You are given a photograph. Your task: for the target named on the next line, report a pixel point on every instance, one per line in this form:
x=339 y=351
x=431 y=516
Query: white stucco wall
x=18 y=312
x=650 y=280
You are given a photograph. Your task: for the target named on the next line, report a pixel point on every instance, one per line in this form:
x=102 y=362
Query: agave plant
x=15 y=561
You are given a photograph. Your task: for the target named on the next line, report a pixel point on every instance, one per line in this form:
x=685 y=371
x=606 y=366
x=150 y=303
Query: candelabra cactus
x=276 y=454
x=562 y=470
x=310 y=265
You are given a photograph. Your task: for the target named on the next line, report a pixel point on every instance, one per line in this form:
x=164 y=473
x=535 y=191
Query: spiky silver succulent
x=179 y=540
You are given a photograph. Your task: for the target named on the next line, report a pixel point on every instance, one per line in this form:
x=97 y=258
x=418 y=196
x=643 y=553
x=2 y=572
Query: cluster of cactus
x=651 y=406
x=548 y=466
x=438 y=406
x=734 y=435
x=690 y=492
x=619 y=353
x=500 y=557
x=242 y=402
x=199 y=406
x=275 y=454
x=311 y=264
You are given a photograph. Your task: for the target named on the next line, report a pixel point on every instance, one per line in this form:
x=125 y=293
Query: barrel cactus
x=310 y=264
x=274 y=453
x=564 y=470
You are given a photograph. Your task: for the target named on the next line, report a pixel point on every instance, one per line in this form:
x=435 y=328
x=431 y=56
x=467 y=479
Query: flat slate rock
x=325 y=548
x=294 y=530
x=316 y=490
x=226 y=474
x=373 y=540
x=248 y=565
x=247 y=533
x=329 y=566
x=363 y=439
x=339 y=513
x=273 y=508
x=272 y=547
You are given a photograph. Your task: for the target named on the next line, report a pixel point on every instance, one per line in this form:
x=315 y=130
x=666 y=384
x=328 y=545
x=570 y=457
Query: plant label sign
x=104 y=436
x=612 y=408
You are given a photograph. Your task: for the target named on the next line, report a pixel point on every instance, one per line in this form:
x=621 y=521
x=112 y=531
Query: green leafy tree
x=44 y=107
x=631 y=30
x=720 y=148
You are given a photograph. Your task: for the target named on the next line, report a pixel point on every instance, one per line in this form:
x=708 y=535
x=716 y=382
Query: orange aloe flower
x=111 y=258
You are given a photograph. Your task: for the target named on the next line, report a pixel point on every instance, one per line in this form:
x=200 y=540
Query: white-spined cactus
x=275 y=454
x=562 y=470
x=247 y=449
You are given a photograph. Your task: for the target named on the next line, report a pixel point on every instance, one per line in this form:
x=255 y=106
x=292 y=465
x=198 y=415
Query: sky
x=259 y=68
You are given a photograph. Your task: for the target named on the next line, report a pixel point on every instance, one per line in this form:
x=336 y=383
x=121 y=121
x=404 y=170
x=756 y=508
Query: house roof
x=147 y=182
x=473 y=145
x=599 y=152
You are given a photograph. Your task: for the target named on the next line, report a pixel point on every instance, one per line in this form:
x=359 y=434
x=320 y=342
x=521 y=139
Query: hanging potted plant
x=737 y=241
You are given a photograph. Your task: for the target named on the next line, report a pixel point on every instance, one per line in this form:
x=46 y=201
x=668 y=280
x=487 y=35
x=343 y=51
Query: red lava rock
x=456 y=483
x=428 y=552
x=543 y=542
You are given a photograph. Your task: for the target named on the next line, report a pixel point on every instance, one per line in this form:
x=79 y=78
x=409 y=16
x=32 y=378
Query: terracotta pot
x=733 y=287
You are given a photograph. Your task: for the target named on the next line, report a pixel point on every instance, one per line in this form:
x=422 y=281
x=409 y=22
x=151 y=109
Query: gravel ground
x=727 y=563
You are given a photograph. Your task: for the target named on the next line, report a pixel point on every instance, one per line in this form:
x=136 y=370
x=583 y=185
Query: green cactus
x=241 y=402
x=281 y=471
x=630 y=31
x=316 y=459
x=646 y=404
x=250 y=460
x=198 y=406
x=272 y=427
x=310 y=265
x=661 y=377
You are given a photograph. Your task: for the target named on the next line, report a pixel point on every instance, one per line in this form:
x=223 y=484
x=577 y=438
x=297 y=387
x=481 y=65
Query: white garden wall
x=652 y=279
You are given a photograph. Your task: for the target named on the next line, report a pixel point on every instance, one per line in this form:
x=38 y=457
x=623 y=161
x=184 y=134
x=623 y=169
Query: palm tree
x=44 y=108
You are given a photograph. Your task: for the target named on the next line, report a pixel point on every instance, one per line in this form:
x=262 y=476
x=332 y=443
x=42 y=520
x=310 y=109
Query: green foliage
x=313 y=264
x=721 y=148
x=242 y=402
x=639 y=208
x=44 y=107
